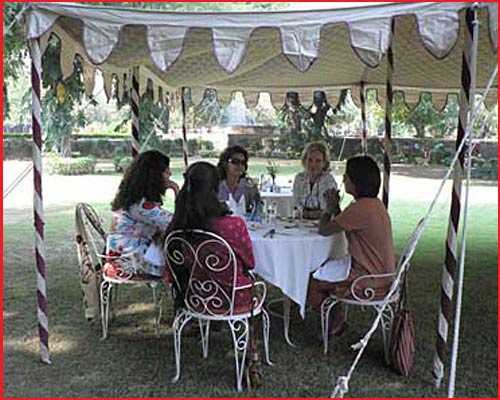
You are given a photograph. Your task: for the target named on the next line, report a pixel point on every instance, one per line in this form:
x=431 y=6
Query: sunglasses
x=237 y=161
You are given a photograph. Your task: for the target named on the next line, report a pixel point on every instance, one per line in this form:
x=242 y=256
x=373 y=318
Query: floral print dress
x=132 y=232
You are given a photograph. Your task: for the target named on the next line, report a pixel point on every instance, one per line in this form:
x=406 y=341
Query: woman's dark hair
x=365 y=175
x=197 y=203
x=143 y=179
x=226 y=155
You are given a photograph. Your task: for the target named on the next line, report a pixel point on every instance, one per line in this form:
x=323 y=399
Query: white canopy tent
x=274 y=52
x=407 y=47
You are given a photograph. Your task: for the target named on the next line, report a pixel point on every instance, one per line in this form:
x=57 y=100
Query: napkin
x=154 y=255
x=237 y=207
x=334 y=270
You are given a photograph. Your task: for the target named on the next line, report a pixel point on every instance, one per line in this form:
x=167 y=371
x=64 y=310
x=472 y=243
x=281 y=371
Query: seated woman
x=369 y=235
x=138 y=218
x=198 y=207
x=309 y=187
x=235 y=187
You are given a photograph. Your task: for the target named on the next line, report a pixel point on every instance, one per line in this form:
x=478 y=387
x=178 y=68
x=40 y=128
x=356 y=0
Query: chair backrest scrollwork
x=361 y=290
x=204 y=267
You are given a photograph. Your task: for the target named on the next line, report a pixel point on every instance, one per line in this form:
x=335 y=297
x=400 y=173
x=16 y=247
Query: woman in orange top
x=369 y=235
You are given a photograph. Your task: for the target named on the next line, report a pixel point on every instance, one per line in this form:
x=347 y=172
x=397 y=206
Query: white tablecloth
x=283 y=199
x=287 y=260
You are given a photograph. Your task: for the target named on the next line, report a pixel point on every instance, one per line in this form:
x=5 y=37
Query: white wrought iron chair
x=364 y=297
x=102 y=271
x=204 y=257
x=367 y=297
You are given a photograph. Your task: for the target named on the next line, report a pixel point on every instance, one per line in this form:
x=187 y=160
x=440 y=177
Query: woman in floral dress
x=138 y=217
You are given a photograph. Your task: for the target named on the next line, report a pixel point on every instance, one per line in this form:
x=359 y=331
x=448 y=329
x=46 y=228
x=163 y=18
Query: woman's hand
x=172 y=185
x=332 y=198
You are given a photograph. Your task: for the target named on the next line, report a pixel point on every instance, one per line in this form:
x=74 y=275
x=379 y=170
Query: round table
x=287 y=258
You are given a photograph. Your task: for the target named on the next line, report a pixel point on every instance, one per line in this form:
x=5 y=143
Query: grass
x=133 y=362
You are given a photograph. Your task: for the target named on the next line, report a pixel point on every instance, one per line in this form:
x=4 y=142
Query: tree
x=14 y=49
x=208 y=112
x=60 y=116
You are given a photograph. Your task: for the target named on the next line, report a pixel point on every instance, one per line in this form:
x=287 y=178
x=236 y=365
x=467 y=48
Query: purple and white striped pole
x=41 y=295
x=388 y=119
x=362 y=98
x=134 y=105
x=450 y=265
x=184 y=128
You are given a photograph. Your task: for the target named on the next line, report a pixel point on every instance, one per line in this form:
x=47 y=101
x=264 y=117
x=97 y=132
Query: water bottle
x=271 y=216
x=297 y=212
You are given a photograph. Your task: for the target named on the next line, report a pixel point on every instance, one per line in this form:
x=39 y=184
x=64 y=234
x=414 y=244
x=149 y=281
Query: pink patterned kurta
x=234 y=231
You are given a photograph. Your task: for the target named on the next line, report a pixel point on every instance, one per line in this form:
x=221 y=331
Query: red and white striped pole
x=388 y=119
x=41 y=295
x=362 y=98
x=450 y=266
x=134 y=105
x=184 y=128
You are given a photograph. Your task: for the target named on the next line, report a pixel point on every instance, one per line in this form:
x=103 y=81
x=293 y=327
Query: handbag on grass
x=402 y=340
x=253 y=367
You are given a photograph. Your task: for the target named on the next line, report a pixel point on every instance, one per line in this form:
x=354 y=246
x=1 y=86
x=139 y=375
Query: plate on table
x=253 y=226
x=290 y=225
x=310 y=224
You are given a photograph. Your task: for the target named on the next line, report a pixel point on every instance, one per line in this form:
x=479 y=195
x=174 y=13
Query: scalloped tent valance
x=273 y=52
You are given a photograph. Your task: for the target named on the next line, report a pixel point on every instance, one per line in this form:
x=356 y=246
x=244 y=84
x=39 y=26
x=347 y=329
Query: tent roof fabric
x=272 y=52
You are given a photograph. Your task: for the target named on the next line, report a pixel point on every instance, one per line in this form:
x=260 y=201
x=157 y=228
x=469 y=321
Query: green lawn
x=133 y=362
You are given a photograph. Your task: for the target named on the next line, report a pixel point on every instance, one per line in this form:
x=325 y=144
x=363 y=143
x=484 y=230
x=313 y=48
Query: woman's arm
x=327 y=225
x=297 y=190
x=172 y=185
x=241 y=243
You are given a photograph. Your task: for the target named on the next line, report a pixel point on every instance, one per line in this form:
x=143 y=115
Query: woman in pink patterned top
x=138 y=218
x=198 y=207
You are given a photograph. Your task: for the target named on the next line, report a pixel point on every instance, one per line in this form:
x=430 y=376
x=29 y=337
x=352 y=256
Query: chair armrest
x=368 y=293
x=259 y=286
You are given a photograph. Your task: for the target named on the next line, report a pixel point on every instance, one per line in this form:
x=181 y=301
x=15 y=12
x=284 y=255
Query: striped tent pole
x=184 y=128
x=134 y=105
x=450 y=265
x=41 y=295
x=364 y=143
x=388 y=119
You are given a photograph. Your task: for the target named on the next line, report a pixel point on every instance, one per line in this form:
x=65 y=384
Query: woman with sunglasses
x=235 y=187
x=309 y=187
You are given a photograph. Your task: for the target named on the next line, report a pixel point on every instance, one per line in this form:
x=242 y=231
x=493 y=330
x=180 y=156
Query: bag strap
x=403 y=296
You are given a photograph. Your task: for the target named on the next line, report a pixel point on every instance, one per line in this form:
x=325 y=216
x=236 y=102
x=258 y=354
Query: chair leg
x=179 y=322
x=158 y=302
x=240 y=333
x=105 y=304
x=286 y=320
x=266 y=323
x=386 y=326
x=326 y=308
x=205 y=335
x=113 y=300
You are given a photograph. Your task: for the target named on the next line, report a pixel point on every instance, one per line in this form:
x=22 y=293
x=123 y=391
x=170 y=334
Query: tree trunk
x=66 y=146
x=420 y=128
